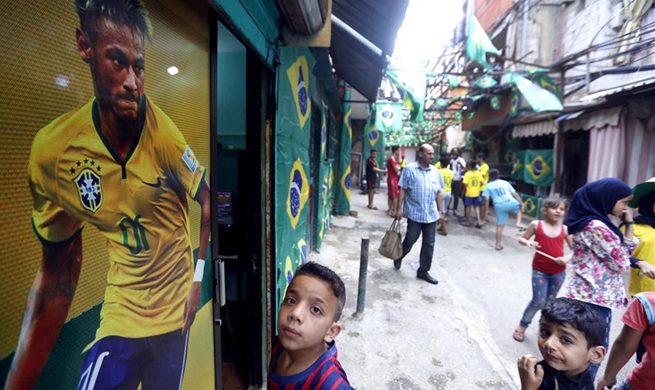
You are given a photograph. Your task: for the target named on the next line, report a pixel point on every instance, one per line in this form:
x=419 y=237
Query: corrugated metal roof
x=377 y=21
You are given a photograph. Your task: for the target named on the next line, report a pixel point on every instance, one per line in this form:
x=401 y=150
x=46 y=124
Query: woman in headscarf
x=601 y=252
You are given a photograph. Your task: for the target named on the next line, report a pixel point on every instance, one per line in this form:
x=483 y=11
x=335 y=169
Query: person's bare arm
x=46 y=310
x=401 y=203
x=193 y=300
x=623 y=348
x=525 y=239
x=442 y=212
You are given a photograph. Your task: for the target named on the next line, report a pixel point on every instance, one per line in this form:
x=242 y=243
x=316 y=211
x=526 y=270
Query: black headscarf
x=646 y=215
x=596 y=200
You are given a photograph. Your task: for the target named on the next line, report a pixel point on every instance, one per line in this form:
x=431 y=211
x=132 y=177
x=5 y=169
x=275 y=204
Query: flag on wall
x=298 y=74
x=389 y=117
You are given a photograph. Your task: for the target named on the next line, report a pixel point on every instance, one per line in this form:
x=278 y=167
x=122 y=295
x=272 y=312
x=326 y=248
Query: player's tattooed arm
x=46 y=310
x=193 y=300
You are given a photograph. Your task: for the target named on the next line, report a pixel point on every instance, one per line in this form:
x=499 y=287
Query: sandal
x=464 y=223
x=372 y=208
x=519 y=334
x=522 y=228
x=500 y=248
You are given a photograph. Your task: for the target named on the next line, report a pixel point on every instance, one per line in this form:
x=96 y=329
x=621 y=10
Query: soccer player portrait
x=120 y=164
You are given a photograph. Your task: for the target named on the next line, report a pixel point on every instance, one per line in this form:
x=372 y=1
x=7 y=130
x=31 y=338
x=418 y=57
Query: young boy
x=483 y=168
x=505 y=199
x=639 y=322
x=472 y=186
x=571 y=335
x=305 y=355
x=448 y=175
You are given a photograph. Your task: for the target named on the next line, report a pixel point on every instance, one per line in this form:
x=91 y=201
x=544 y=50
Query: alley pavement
x=413 y=335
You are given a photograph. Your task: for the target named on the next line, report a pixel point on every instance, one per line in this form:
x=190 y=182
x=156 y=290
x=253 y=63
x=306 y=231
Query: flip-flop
x=372 y=208
x=518 y=335
x=522 y=228
x=477 y=225
x=500 y=249
x=465 y=224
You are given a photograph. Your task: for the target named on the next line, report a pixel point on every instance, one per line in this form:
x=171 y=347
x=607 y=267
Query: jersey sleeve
x=182 y=162
x=635 y=316
x=51 y=223
x=467 y=178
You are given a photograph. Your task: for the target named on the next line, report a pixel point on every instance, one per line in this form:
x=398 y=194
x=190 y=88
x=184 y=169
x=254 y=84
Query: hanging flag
x=470 y=116
x=298 y=192
x=539 y=167
x=441 y=103
x=486 y=81
x=453 y=80
x=478 y=43
x=495 y=102
x=411 y=87
x=514 y=107
x=389 y=117
x=539 y=99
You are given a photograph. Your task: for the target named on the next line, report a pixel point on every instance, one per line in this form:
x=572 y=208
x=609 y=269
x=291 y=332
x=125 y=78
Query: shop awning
x=535 y=129
x=354 y=59
x=595 y=119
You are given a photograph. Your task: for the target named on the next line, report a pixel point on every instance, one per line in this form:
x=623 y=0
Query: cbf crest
x=90 y=189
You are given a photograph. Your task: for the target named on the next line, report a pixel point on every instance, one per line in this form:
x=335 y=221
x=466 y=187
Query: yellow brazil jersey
x=140 y=206
x=473 y=181
x=448 y=177
x=646 y=252
x=484 y=171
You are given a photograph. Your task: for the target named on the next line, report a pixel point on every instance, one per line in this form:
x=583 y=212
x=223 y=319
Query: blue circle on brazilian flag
x=373 y=135
x=537 y=166
x=529 y=205
x=302 y=92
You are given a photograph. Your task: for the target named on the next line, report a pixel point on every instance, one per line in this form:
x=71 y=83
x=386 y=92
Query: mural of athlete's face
x=116 y=56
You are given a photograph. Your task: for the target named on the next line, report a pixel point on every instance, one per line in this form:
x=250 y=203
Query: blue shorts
x=477 y=201
x=503 y=210
x=155 y=362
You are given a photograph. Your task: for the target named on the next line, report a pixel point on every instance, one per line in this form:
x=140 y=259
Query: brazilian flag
x=411 y=87
x=534 y=167
x=478 y=43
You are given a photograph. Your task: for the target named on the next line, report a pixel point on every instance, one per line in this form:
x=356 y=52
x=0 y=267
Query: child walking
x=472 y=187
x=601 y=252
x=549 y=266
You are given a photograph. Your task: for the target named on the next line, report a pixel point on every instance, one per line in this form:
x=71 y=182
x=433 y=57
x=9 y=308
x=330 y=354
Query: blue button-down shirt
x=421 y=187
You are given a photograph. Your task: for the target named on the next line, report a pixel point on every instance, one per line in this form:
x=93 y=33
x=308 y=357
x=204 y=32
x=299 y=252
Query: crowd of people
x=604 y=241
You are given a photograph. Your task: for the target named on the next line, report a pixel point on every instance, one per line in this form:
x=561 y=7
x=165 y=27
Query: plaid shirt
x=421 y=188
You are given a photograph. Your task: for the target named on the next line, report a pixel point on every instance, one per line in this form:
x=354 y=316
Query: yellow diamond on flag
x=538 y=168
x=517 y=166
x=298 y=74
x=387 y=114
x=298 y=192
x=530 y=206
x=348 y=121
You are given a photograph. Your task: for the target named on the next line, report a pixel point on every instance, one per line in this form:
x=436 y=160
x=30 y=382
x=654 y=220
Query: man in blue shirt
x=420 y=201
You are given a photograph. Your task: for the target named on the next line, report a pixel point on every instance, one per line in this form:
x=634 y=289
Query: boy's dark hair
x=481 y=155
x=579 y=315
x=374 y=150
x=394 y=148
x=471 y=165
x=128 y=12
x=323 y=273
x=494 y=174
x=444 y=160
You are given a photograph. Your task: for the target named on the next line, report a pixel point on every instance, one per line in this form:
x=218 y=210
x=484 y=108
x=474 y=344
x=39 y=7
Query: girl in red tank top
x=549 y=261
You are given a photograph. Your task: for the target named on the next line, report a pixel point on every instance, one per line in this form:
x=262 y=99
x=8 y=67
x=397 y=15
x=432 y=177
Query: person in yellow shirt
x=642 y=274
x=448 y=175
x=472 y=188
x=118 y=163
x=483 y=167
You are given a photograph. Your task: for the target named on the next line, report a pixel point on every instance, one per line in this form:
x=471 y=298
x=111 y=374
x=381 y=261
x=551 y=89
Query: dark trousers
x=456 y=188
x=414 y=229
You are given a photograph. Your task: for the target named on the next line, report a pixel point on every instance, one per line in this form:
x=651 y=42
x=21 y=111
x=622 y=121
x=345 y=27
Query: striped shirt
x=325 y=374
x=421 y=187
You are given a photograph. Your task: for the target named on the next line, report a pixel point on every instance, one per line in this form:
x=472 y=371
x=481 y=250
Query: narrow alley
x=412 y=335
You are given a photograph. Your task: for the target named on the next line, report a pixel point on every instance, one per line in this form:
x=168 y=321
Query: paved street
x=413 y=335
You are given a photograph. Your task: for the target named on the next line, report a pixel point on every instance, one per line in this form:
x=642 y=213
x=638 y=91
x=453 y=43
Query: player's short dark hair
x=394 y=148
x=444 y=161
x=494 y=174
x=471 y=164
x=132 y=13
x=323 y=273
x=579 y=315
x=481 y=155
x=374 y=150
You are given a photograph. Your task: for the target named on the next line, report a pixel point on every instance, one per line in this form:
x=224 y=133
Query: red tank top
x=553 y=246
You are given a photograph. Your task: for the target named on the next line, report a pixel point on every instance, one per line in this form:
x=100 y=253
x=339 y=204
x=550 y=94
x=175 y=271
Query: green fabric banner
x=411 y=85
x=342 y=193
x=389 y=117
x=534 y=167
x=295 y=83
x=374 y=139
x=538 y=98
x=478 y=43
